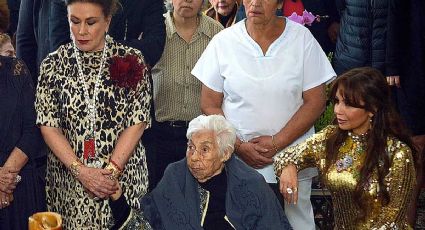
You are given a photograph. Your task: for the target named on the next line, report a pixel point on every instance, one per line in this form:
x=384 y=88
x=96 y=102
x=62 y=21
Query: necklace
x=90 y=140
x=356 y=147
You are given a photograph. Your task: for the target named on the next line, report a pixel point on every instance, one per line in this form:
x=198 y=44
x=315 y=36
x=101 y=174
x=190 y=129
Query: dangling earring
x=370 y=122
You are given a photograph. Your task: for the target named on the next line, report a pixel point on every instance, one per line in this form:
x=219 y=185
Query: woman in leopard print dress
x=93 y=105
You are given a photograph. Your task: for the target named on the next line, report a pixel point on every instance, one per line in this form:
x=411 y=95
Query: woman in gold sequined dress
x=365 y=161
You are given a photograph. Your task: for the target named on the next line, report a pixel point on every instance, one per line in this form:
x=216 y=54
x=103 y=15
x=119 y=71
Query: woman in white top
x=267 y=76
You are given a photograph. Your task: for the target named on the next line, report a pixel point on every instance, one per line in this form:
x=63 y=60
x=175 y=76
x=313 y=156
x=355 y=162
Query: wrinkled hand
x=5 y=199
x=97 y=181
x=333 y=31
x=393 y=81
x=118 y=193
x=252 y=155
x=266 y=143
x=288 y=179
x=8 y=179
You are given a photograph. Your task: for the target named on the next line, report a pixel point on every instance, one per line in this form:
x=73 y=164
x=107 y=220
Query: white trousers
x=301 y=216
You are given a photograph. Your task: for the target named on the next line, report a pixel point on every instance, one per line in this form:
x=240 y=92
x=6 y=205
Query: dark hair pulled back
x=109 y=7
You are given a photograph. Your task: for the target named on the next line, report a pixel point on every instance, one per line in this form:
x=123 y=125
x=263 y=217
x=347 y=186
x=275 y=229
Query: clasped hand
x=98 y=182
x=8 y=184
x=258 y=152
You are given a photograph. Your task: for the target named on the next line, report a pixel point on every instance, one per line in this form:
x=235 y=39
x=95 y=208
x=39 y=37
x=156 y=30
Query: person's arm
x=29 y=143
x=310 y=153
x=93 y=179
x=403 y=180
x=121 y=210
x=26 y=44
x=137 y=118
x=313 y=106
x=393 y=50
x=124 y=217
x=49 y=119
x=152 y=41
x=58 y=22
x=126 y=143
x=8 y=179
x=251 y=154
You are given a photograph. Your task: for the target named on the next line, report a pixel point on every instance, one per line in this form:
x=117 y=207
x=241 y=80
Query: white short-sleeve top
x=262 y=92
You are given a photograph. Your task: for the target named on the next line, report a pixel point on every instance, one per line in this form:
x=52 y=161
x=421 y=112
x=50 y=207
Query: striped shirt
x=176 y=91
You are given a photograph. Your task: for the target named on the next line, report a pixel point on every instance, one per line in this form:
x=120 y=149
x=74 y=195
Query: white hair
x=169 y=5
x=224 y=132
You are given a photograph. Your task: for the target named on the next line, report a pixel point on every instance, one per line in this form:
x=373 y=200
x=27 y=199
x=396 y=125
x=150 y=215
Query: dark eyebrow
x=90 y=18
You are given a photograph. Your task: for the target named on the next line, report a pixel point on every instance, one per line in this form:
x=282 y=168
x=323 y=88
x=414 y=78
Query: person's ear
x=226 y=155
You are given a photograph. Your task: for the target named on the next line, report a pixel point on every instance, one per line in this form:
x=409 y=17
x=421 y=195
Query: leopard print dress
x=60 y=103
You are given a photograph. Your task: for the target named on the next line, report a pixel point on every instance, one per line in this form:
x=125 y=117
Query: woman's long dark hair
x=367 y=88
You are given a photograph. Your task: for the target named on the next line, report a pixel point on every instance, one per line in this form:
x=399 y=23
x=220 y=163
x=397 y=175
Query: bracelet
x=115 y=164
x=74 y=168
x=274 y=144
x=116 y=173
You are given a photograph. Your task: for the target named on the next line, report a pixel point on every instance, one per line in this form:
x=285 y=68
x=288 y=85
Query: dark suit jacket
x=136 y=19
x=13 y=6
x=32 y=35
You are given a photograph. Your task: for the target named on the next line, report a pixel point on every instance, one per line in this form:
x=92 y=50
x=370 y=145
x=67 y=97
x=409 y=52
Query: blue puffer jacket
x=363 y=39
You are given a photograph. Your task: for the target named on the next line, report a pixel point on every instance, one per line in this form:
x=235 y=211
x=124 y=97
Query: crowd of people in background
x=196 y=114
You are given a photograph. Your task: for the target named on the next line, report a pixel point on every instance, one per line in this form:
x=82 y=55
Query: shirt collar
x=203 y=27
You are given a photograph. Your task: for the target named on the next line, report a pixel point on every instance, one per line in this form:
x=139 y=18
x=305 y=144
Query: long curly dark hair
x=367 y=88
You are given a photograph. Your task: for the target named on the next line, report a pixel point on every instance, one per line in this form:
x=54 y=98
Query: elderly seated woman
x=209 y=189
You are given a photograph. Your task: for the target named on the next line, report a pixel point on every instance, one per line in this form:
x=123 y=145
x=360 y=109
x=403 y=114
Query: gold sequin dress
x=343 y=176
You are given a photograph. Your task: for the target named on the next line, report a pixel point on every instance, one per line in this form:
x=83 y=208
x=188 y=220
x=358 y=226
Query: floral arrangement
x=306 y=19
x=126 y=71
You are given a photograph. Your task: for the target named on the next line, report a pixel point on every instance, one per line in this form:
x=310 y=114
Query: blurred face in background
x=88 y=25
x=261 y=11
x=6 y=47
x=223 y=7
x=186 y=8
